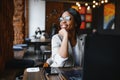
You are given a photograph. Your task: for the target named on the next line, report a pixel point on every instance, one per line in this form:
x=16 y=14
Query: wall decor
x=109 y=16
x=108 y=23
x=86 y=17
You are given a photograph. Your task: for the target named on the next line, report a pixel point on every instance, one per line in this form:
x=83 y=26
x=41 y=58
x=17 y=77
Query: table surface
x=40 y=40
x=62 y=74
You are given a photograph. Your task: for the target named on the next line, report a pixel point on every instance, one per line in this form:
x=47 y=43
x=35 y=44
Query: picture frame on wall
x=109 y=16
x=108 y=23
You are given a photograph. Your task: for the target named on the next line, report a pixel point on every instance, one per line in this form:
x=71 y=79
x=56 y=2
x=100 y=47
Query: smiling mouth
x=64 y=26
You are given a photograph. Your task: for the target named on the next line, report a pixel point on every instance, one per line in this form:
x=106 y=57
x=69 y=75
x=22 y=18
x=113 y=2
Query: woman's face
x=67 y=21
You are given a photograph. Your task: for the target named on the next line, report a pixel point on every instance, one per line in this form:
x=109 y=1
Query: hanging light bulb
x=88 y=8
x=94 y=1
x=86 y=4
x=102 y=1
x=94 y=6
x=80 y=7
x=77 y=3
x=106 y=1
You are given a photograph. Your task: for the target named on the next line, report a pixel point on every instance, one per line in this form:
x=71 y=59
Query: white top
x=75 y=53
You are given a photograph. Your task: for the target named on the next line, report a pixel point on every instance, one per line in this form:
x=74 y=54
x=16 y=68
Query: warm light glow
x=79 y=7
x=94 y=6
x=88 y=8
x=86 y=4
x=102 y=1
x=94 y=1
x=106 y=1
x=77 y=3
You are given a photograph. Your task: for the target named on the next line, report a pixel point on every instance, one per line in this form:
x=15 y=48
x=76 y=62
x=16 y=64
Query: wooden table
x=63 y=74
x=38 y=42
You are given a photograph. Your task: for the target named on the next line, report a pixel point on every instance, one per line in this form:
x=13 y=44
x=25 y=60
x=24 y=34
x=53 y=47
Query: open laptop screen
x=102 y=58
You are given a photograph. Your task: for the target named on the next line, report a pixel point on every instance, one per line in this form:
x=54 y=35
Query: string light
x=94 y=1
x=94 y=4
x=79 y=7
x=77 y=3
x=102 y=1
x=106 y=1
x=88 y=8
x=86 y=4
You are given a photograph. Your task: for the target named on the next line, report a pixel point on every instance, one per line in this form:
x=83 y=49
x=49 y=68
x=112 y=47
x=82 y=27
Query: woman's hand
x=63 y=33
x=46 y=65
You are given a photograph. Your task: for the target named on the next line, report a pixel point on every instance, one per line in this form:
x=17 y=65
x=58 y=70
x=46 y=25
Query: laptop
x=102 y=57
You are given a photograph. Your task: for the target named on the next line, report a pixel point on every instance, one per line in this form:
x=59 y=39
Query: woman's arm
x=59 y=53
x=63 y=50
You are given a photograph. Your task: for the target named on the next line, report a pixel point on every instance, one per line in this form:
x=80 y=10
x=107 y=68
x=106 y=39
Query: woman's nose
x=63 y=21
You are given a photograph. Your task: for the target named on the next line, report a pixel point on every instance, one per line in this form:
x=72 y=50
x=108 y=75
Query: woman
x=67 y=45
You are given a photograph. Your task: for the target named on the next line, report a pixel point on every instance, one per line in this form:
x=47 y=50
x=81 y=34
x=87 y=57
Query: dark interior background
x=6 y=23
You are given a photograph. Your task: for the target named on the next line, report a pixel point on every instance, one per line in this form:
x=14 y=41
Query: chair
x=46 y=55
x=24 y=46
x=46 y=52
x=53 y=30
x=18 y=52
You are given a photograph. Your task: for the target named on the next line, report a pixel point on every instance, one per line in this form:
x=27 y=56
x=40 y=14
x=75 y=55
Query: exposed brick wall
x=18 y=22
